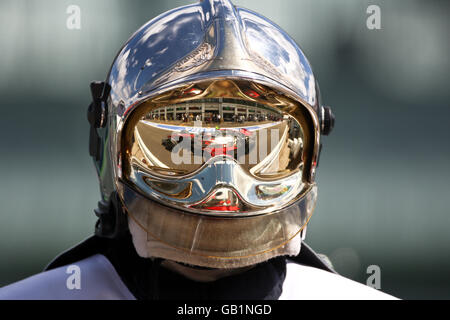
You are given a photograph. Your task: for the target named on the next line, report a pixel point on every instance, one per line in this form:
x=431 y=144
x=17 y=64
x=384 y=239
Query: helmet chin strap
x=112 y=220
x=303 y=233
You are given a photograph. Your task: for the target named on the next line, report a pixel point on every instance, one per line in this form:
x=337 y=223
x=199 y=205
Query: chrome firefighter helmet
x=208 y=131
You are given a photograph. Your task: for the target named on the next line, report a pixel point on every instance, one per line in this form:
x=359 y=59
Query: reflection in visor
x=177 y=140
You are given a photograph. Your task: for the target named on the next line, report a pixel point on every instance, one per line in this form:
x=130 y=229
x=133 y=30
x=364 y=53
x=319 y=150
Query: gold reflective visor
x=175 y=135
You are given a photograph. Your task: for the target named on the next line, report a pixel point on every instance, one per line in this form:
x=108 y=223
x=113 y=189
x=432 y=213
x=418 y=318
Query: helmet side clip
x=327 y=120
x=97 y=115
x=112 y=221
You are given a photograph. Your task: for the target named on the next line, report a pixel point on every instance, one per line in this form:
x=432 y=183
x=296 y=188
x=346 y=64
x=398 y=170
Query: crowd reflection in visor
x=179 y=139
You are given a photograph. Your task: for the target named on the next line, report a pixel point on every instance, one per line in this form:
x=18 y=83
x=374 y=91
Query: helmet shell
x=209 y=40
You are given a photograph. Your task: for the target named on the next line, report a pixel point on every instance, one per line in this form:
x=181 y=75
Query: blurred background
x=384 y=176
